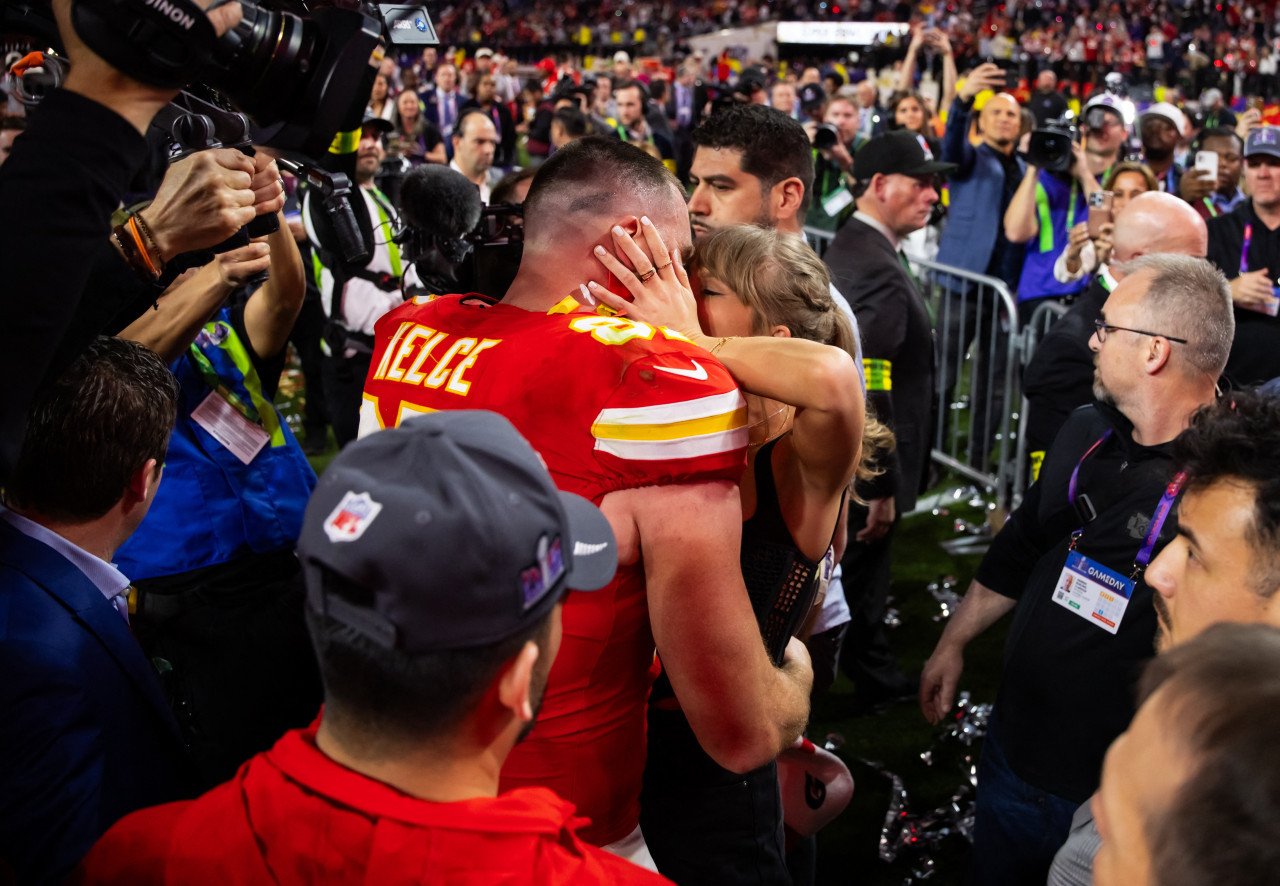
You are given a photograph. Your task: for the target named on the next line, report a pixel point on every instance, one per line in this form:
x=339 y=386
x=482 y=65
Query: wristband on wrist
x=152 y=248
x=133 y=252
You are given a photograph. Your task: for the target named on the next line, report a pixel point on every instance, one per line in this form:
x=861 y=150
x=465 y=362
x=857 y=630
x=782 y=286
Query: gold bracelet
x=720 y=344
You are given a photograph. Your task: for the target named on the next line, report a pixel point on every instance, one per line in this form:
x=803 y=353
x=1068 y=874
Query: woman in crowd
x=907 y=109
x=415 y=137
x=381 y=104
x=1084 y=254
x=766 y=313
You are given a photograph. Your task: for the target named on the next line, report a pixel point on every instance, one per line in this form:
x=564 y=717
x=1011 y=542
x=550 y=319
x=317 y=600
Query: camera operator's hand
x=987 y=75
x=839 y=155
x=237 y=266
x=93 y=77
x=1196 y=184
x=1080 y=169
x=267 y=185
x=203 y=200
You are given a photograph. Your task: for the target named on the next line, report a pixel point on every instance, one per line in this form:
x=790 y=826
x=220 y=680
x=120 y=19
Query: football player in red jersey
x=652 y=429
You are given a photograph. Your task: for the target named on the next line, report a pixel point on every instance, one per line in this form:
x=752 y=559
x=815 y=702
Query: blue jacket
x=86 y=736
x=976 y=191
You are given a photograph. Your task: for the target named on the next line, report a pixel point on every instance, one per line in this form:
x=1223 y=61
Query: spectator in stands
x=1059 y=378
x=872 y=117
x=895 y=180
x=415 y=137
x=1216 y=196
x=1047 y=103
x=486 y=99
x=685 y=107
x=1216 y=112
x=1220 y=567
x=981 y=188
x=1161 y=127
x=10 y=128
x=937 y=42
x=430 y=680
x=1189 y=792
x=1245 y=245
x=1161 y=342
x=622 y=72
x=442 y=102
x=424 y=69
x=474 y=141
x=632 y=100
x=87 y=736
x=381 y=104
x=782 y=97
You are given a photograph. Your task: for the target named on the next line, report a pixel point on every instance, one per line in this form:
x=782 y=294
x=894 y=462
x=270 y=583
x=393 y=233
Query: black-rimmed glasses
x=1102 y=327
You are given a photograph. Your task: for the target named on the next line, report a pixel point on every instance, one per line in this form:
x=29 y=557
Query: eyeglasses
x=1102 y=327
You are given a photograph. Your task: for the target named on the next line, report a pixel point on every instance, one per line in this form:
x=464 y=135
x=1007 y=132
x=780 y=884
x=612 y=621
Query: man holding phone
x=1245 y=245
x=1212 y=186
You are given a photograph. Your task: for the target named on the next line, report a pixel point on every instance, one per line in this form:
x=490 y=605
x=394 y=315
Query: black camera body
x=1050 y=146
x=826 y=137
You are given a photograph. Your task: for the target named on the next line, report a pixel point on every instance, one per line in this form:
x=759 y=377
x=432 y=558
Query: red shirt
x=292 y=815
x=610 y=404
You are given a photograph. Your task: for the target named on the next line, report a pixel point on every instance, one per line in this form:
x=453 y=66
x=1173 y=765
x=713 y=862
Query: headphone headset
x=160 y=42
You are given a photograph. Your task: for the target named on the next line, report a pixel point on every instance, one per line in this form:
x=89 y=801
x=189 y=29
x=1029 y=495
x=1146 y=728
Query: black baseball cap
x=900 y=152
x=452 y=524
x=379 y=123
x=812 y=95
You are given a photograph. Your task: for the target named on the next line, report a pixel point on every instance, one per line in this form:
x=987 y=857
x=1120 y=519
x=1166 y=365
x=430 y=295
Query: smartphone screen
x=1208 y=162
x=1099 y=212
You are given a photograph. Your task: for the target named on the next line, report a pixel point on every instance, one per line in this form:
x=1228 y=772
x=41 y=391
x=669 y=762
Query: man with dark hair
x=567 y=124
x=653 y=430
x=1070 y=564
x=896 y=180
x=1213 y=196
x=1224 y=564
x=87 y=735
x=751 y=165
x=1189 y=792
x=431 y=677
x=475 y=139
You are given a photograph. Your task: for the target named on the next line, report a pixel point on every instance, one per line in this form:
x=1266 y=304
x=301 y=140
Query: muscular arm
x=822 y=383
x=743 y=710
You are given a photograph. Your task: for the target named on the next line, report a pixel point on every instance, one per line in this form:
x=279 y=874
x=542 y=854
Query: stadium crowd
x=626 y=399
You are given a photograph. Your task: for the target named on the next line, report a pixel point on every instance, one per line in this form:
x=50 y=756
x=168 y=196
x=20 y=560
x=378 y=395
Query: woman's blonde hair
x=784 y=283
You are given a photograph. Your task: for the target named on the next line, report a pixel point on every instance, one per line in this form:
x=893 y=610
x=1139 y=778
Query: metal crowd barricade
x=1043 y=317
x=979 y=375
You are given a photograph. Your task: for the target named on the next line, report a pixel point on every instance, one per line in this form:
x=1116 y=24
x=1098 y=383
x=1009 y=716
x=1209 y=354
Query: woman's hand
x=660 y=290
x=1076 y=238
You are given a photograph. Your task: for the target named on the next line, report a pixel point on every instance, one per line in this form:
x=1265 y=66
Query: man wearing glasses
x=1070 y=562
x=1245 y=244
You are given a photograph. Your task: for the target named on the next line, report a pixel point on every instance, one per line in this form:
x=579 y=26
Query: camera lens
x=826 y=137
x=268 y=47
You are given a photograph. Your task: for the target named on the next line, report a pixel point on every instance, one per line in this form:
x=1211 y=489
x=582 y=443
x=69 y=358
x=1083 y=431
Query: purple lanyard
x=1157 y=519
x=1244 y=250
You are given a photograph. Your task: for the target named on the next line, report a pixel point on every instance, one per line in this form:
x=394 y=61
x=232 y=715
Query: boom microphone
x=440 y=202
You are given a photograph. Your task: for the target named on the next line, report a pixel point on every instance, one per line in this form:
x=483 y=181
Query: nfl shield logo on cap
x=924 y=146
x=351 y=517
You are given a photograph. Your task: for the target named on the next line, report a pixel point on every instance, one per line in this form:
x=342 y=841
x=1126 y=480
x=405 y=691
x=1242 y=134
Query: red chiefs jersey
x=610 y=404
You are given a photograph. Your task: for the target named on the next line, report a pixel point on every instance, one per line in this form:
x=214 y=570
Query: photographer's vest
x=1059 y=206
x=211 y=506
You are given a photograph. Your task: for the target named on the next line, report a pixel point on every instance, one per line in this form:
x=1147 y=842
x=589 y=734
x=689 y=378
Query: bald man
x=1060 y=375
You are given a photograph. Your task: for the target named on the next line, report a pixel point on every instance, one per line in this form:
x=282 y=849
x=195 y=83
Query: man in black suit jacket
x=896 y=183
x=87 y=736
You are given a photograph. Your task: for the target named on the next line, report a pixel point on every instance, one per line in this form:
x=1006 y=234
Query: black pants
x=233 y=652
x=306 y=334
x=343 y=388
x=704 y=824
x=865 y=656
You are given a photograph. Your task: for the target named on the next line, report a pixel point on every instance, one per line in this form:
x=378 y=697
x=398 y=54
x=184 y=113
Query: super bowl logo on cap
x=538 y=579
x=924 y=146
x=351 y=517
x=1265 y=135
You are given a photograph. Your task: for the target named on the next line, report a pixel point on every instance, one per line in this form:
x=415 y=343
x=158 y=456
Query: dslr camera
x=1050 y=146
